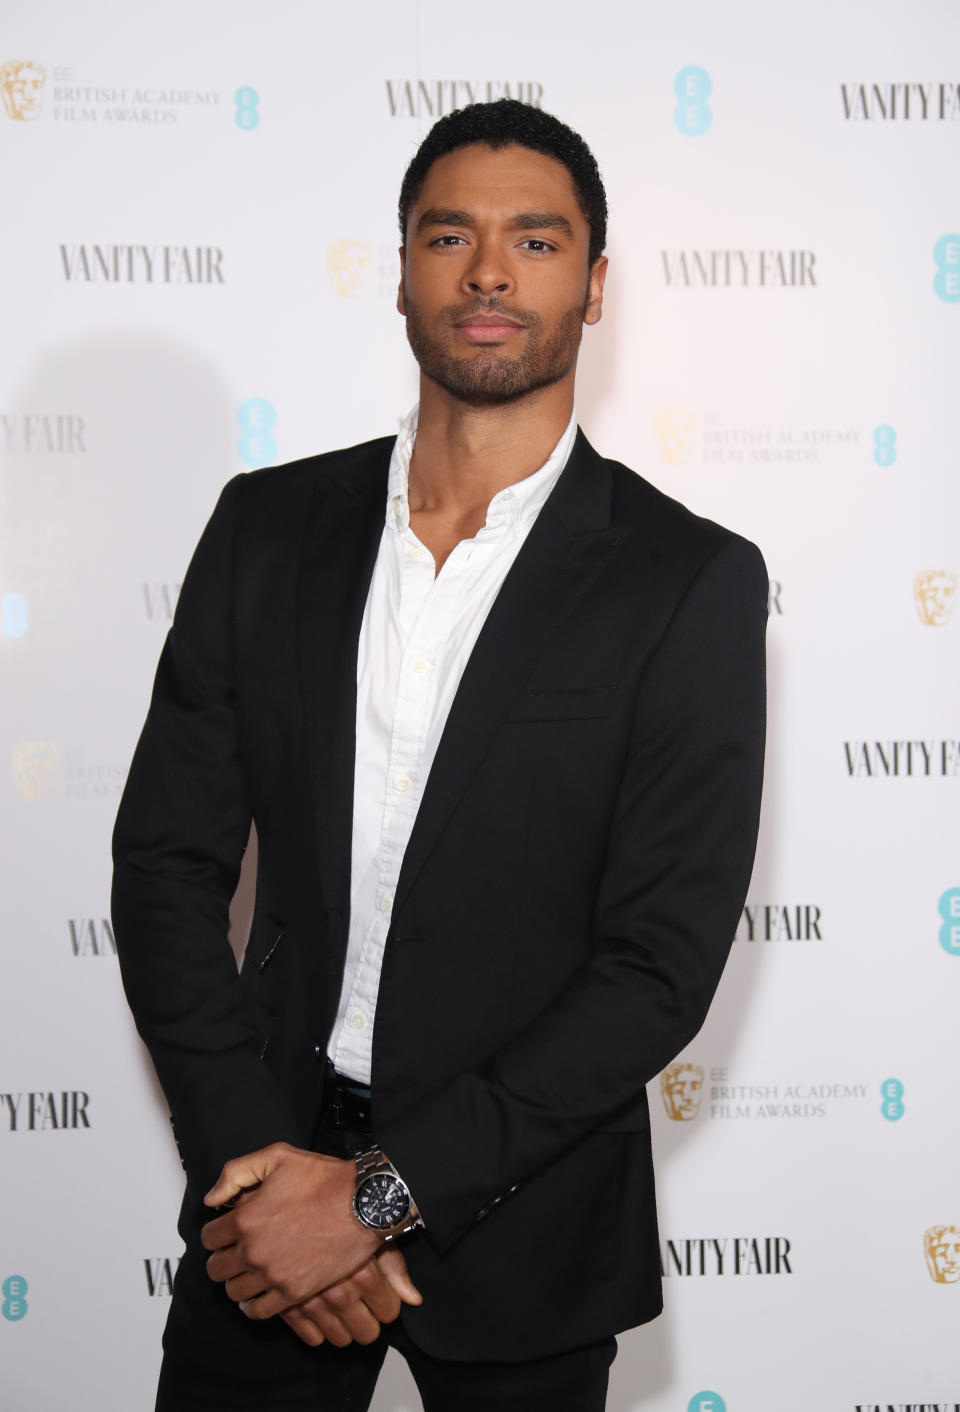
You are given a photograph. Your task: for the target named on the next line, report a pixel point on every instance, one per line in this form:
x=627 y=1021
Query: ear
x=401 y=307
x=594 y=305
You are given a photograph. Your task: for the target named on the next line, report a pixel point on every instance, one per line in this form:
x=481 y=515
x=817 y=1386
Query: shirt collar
x=516 y=504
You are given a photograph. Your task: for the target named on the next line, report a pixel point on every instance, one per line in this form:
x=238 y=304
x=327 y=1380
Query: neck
x=464 y=455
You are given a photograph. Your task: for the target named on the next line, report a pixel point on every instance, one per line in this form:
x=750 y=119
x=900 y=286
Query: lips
x=487 y=328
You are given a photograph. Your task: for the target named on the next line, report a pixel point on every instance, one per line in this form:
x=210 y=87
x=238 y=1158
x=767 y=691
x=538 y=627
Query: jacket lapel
x=341 y=538
x=569 y=544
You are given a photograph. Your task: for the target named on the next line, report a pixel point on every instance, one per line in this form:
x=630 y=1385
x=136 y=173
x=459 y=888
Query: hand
x=357 y=1306
x=296 y=1234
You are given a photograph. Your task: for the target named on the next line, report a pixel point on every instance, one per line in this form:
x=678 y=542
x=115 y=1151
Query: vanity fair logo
x=739 y=269
x=900 y=102
x=706 y=1402
x=160 y=1273
x=902 y=759
x=142 y=264
x=91 y=936
x=432 y=97
x=684 y=437
x=941 y=1250
x=726 y=1255
x=43 y=433
x=934 y=593
x=22 y=83
x=775 y=921
x=683 y=1089
x=74 y=98
x=46 y=1112
x=160 y=600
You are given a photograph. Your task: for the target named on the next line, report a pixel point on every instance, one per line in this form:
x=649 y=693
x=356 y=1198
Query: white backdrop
x=199 y=264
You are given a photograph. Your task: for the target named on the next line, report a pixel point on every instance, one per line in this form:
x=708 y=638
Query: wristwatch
x=382 y=1200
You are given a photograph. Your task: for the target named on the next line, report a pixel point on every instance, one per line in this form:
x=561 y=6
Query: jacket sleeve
x=179 y=839
x=678 y=864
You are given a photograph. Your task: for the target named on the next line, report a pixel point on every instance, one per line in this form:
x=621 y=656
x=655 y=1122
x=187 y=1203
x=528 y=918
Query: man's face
x=495 y=283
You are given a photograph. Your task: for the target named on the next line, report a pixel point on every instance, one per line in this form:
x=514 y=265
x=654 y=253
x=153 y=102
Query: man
x=496 y=707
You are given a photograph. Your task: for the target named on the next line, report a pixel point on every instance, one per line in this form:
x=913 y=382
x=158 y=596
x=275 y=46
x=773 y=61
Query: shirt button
x=420 y=664
x=386 y=903
x=357 y=1021
x=401 y=783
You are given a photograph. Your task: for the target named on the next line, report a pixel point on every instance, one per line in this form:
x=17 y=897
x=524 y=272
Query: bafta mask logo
x=21 y=83
x=34 y=767
x=941 y=1246
x=676 y=431
x=934 y=592
x=348 y=264
x=682 y=1087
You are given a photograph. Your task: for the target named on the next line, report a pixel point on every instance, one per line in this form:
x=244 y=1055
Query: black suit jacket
x=567 y=899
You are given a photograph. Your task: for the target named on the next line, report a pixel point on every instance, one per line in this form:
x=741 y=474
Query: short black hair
x=507 y=123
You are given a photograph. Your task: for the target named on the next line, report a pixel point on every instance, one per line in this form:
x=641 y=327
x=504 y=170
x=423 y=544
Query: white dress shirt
x=418 y=631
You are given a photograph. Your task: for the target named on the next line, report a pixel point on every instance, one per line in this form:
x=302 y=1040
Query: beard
x=489 y=378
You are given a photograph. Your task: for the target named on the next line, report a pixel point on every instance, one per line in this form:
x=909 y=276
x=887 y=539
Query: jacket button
x=318 y=1052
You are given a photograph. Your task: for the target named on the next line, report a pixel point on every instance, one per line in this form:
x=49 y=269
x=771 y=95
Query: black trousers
x=217 y=1360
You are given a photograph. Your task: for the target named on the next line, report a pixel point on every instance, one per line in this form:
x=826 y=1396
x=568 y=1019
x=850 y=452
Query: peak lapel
x=568 y=546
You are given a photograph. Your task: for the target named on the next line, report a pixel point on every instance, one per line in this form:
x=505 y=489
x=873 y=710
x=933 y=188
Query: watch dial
x=382 y=1201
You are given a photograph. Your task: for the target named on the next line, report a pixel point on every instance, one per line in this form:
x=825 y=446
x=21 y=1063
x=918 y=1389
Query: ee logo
x=950 y=912
x=692 y=114
x=14 y=608
x=884 y=445
x=946 y=282
x=706 y=1402
x=14 y=1304
x=246 y=115
x=257 y=445
x=892 y=1106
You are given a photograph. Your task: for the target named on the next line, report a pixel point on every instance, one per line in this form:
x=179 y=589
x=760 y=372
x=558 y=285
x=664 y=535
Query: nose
x=488 y=272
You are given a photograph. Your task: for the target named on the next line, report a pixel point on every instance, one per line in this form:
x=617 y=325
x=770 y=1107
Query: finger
x=304 y=1328
x=228 y=1264
x=245 y=1286
x=241 y=1172
x=265 y=1306
x=394 y=1267
x=370 y=1286
x=317 y=1312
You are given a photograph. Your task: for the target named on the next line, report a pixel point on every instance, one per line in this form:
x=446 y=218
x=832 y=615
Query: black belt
x=346 y=1104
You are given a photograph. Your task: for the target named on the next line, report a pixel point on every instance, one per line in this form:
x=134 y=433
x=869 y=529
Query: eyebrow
x=523 y=220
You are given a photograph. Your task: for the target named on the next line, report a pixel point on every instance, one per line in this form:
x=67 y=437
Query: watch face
x=382 y=1201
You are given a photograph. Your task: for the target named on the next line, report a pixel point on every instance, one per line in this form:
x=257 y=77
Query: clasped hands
x=292 y=1246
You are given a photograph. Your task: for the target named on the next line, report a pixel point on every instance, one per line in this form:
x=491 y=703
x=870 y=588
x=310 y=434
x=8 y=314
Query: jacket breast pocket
x=575 y=703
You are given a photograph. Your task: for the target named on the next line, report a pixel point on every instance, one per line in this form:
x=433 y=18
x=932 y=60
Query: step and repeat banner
x=200 y=268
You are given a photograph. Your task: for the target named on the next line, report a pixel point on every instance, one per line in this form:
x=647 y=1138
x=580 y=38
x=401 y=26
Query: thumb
x=241 y=1172
x=394 y=1266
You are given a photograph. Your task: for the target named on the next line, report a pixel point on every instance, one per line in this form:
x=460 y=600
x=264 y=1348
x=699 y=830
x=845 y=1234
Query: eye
x=538 y=245
x=447 y=241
